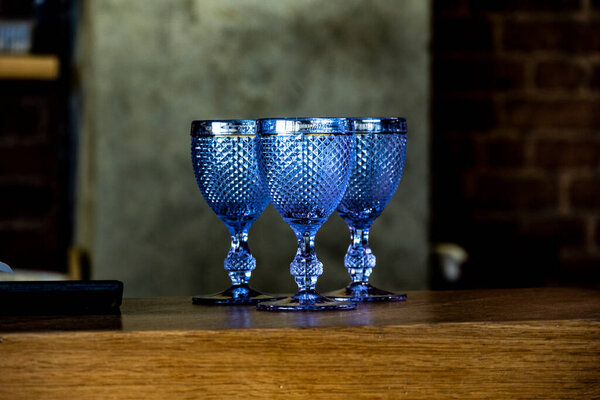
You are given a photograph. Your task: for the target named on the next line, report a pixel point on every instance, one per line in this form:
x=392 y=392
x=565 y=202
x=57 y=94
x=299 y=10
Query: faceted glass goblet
x=305 y=164
x=224 y=160
x=376 y=173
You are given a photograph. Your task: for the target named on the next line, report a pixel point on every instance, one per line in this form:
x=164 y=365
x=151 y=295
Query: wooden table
x=501 y=344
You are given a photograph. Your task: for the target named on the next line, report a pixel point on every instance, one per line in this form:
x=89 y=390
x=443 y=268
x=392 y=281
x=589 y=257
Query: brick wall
x=516 y=145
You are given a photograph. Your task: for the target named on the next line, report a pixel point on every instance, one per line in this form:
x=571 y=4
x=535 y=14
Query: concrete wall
x=150 y=67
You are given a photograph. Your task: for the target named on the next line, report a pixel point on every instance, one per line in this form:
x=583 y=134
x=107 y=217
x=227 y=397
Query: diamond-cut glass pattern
x=305 y=164
x=306 y=175
x=227 y=175
x=376 y=173
x=223 y=155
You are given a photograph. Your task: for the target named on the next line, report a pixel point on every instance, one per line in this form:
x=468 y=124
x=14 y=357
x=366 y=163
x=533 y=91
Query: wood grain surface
x=178 y=313
x=411 y=351
x=29 y=67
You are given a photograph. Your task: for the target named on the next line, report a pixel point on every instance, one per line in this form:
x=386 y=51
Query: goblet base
x=306 y=300
x=236 y=295
x=365 y=292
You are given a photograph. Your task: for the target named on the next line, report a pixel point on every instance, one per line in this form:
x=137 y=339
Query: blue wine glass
x=376 y=173
x=224 y=160
x=305 y=164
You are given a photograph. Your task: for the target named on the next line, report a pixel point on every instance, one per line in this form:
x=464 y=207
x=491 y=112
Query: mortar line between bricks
x=564 y=185
x=34 y=180
x=520 y=133
x=518 y=173
x=497 y=23
x=547 y=16
x=549 y=95
x=523 y=214
x=530 y=67
x=575 y=253
x=546 y=55
x=533 y=94
x=529 y=147
x=23 y=224
x=533 y=215
x=516 y=55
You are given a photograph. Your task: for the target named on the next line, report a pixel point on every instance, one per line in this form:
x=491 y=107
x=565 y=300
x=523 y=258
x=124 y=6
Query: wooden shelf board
x=29 y=67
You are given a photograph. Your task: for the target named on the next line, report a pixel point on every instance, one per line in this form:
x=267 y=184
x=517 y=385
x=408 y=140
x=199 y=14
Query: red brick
x=28 y=160
x=506 y=153
x=515 y=193
x=559 y=75
x=525 y=5
x=553 y=113
x=454 y=154
x=462 y=34
x=500 y=257
x=567 y=153
x=585 y=193
x=451 y=157
x=463 y=114
x=567 y=36
x=447 y=197
x=474 y=233
x=557 y=231
x=465 y=75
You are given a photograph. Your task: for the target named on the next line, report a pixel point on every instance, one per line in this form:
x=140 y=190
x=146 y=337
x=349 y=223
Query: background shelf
x=44 y=67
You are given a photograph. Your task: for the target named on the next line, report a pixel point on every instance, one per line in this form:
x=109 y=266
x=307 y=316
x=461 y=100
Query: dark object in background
x=52 y=20
x=38 y=142
x=54 y=27
x=60 y=297
x=15 y=36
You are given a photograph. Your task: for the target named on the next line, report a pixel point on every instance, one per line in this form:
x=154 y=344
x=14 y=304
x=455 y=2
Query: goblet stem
x=239 y=263
x=306 y=267
x=359 y=259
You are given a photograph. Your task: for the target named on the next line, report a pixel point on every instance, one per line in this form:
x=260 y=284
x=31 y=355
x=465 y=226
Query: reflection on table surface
x=425 y=307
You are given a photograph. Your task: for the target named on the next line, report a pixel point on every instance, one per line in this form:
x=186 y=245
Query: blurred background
x=501 y=186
